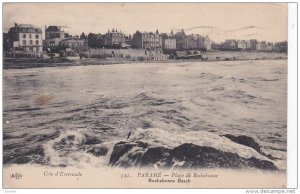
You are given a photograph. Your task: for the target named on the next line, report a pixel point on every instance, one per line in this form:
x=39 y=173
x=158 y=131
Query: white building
x=25 y=37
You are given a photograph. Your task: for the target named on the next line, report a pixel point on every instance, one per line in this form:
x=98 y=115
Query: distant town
x=26 y=41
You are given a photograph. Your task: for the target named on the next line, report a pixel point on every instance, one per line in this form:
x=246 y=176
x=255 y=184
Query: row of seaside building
x=252 y=44
x=28 y=38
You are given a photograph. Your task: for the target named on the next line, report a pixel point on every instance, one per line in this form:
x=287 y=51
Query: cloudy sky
x=220 y=21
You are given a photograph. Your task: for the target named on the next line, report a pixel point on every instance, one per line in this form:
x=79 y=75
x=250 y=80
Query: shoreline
x=9 y=63
x=88 y=62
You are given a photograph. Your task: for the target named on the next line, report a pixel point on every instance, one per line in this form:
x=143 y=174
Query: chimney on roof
x=16 y=24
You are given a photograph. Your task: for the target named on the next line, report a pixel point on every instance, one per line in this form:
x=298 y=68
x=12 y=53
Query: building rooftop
x=115 y=34
x=52 y=29
x=147 y=34
x=26 y=28
x=167 y=35
x=71 y=39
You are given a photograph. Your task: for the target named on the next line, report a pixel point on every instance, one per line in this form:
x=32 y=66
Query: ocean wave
x=245 y=97
x=260 y=78
x=242 y=80
x=209 y=76
x=77 y=148
x=23 y=148
x=150 y=100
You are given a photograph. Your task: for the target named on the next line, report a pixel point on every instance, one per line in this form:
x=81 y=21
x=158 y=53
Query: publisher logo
x=16 y=175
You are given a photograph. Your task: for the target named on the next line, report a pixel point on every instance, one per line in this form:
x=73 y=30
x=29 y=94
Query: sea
x=55 y=116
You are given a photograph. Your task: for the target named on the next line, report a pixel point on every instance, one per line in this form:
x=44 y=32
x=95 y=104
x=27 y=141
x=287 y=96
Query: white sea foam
x=73 y=153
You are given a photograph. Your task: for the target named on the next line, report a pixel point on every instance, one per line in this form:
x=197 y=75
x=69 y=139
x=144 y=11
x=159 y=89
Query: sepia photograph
x=145 y=95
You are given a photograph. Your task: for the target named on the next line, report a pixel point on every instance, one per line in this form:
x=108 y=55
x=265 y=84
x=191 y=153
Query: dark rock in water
x=123 y=148
x=154 y=155
x=261 y=164
x=129 y=154
x=194 y=156
x=91 y=140
x=98 y=151
x=250 y=142
x=119 y=150
x=244 y=140
x=138 y=154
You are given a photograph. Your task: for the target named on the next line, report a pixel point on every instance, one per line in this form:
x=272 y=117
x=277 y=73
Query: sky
x=220 y=21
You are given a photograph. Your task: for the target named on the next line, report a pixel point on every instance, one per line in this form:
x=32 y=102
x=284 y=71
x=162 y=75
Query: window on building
x=24 y=35
x=29 y=35
x=37 y=42
x=30 y=42
x=24 y=41
x=36 y=36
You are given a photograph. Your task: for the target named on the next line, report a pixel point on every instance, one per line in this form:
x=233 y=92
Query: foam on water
x=71 y=149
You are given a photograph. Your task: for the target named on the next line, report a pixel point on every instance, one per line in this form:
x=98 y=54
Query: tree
x=67 y=35
x=82 y=36
x=95 y=40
